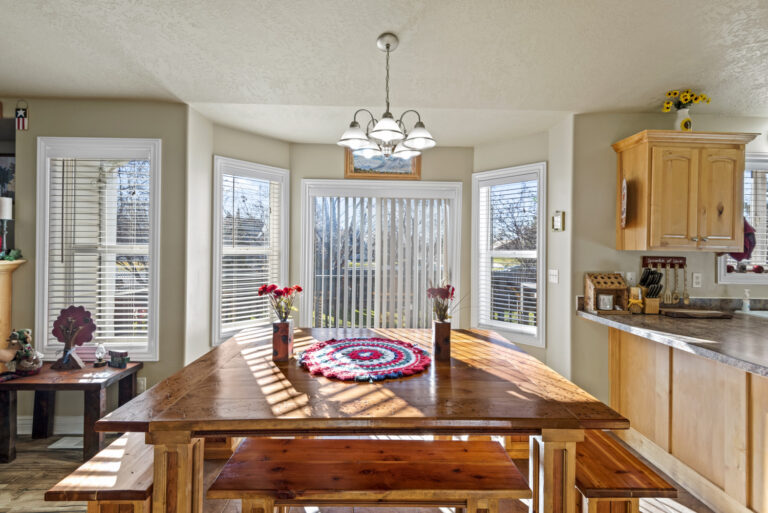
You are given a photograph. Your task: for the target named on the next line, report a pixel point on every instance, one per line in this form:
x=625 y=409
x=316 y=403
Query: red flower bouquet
x=281 y=299
x=441 y=297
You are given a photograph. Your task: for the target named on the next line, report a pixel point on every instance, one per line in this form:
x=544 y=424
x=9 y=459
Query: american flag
x=21 y=118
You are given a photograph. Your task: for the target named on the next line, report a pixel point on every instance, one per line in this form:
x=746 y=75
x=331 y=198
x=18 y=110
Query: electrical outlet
x=554 y=276
x=141 y=385
x=631 y=278
x=696 y=280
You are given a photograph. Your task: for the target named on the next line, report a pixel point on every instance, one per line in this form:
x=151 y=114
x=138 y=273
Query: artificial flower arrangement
x=441 y=300
x=281 y=299
x=682 y=100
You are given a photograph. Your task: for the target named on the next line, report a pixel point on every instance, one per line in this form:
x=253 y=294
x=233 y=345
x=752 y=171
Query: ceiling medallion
x=386 y=136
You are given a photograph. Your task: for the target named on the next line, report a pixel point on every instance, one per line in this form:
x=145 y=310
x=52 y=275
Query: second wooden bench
x=267 y=473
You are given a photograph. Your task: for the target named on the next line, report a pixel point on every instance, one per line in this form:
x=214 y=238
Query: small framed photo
x=391 y=168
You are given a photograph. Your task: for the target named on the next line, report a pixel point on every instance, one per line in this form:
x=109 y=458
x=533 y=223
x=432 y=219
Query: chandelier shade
x=353 y=137
x=420 y=138
x=388 y=137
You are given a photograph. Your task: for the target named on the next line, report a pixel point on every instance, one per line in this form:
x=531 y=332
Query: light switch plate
x=554 y=276
x=141 y=385
x=696 y=280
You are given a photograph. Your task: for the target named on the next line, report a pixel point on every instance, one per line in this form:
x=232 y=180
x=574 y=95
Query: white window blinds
x=375 y=253
x=250 y=239
x=99 y=228
x=509 y=252
x=756 y=214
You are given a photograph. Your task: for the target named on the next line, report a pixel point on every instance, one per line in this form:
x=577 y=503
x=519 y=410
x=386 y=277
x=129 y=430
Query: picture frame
x=378 y=168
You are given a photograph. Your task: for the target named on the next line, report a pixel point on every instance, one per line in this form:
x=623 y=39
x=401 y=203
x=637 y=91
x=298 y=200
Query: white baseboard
x=62 y=425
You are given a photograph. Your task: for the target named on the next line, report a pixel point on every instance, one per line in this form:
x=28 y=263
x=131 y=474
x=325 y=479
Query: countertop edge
x=676 y=342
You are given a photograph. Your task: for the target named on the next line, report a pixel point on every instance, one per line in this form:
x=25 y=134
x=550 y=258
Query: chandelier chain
x=387 y=79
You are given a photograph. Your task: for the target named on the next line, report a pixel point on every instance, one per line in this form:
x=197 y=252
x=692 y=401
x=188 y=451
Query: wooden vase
x=282 y=341
x=441 y=340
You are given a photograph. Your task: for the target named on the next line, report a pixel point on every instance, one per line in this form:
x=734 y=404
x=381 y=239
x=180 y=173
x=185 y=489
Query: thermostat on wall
x=558 y=221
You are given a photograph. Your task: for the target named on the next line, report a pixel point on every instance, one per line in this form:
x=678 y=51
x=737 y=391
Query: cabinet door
x=721 y=199
x=674 y=177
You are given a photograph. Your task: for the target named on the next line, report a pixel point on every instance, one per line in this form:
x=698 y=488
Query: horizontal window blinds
x=99 y=235
x=756 y=213
x=508 y=252
x=374 y=259
x=250 y=243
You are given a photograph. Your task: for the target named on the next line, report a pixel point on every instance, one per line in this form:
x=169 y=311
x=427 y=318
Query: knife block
x=651 y=305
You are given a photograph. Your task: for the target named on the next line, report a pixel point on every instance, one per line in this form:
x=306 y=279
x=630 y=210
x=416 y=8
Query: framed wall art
x=392 y=168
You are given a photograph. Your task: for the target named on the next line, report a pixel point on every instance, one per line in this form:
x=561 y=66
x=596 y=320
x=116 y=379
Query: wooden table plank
x=488 y=386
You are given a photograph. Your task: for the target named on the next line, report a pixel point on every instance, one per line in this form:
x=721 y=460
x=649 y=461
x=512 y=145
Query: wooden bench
x=267 y=473
x=609 y=478
x=117 y=480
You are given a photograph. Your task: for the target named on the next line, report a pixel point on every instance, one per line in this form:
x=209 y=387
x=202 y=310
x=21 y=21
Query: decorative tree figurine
x=74 y=327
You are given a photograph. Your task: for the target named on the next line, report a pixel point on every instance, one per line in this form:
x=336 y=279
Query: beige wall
x=236 y=144
x=594 y=193
x=199 y=235
x=438 y=164
x=81 y=118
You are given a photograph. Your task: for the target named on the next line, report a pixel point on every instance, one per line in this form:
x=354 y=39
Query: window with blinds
x=99 y=248
x=754 y=269
x=249 y=233
x=508 y=252
x=375 y=251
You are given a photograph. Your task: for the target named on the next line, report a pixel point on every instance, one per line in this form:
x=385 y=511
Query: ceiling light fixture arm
x=371 y=122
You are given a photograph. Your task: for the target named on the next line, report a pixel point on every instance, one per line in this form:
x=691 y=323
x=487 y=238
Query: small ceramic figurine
x=28 y=361
x=74 y=327
x=100 y=354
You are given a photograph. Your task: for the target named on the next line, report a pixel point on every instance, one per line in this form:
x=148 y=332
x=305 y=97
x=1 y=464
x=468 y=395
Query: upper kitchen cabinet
x=680 y=191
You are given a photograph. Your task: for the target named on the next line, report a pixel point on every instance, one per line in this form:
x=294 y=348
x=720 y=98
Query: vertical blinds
x=250 y=243
x=756 y=213
x=508 y=253
x=374 y=259
x=99 y=245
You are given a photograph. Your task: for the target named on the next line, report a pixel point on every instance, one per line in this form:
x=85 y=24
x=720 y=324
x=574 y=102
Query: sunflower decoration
x=682 y=99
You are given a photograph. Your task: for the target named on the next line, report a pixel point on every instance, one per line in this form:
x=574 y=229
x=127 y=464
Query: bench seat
x=268 y=472
x=606 y=472
x=117 y=480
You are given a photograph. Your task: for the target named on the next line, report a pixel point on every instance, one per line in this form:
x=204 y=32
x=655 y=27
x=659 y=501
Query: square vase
x=282 y=341
x=441 y=340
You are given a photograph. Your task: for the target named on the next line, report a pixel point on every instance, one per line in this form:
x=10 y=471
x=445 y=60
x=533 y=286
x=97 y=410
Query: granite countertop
x=741 y=342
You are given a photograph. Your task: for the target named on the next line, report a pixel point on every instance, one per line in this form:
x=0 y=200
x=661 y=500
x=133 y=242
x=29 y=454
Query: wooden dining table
x=488 y=387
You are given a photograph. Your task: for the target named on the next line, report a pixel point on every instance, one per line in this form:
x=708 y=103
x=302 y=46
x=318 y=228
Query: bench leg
x=178 y=472
x=43 y=414
x=120 y=506
x=610 y=505
x=258 y=506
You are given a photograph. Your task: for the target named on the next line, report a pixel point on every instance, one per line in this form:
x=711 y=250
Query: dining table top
x=489 y=386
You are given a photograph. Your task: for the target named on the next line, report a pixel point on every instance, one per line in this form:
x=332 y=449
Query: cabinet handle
x=694 y=239
x=704 y=239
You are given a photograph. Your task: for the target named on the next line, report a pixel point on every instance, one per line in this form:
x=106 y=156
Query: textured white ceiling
x=468 y=63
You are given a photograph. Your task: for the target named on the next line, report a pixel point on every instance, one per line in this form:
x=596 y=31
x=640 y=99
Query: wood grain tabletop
x=488 y=387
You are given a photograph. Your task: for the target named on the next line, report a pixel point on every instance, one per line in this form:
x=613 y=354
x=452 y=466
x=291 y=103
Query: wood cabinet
x=684 y=190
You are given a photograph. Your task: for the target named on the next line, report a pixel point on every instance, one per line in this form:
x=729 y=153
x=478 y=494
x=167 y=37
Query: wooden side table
x=93 y=382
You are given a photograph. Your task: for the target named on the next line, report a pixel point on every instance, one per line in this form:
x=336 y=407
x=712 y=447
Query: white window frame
x=250 y=170
x=537 y=171
x=751 y=160
x=311 y=188
x=105 y=148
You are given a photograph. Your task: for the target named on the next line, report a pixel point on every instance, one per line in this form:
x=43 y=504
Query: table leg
x=126 y=389
x=95 y=408
x=553 y=470
x=7 y=426
x=178 y=472
x=43 y=414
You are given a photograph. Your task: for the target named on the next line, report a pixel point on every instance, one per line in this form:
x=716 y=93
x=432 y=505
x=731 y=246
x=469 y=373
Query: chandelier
x=386 y=137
